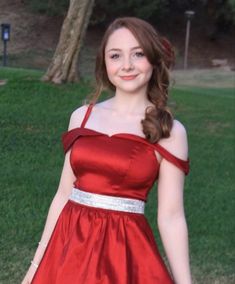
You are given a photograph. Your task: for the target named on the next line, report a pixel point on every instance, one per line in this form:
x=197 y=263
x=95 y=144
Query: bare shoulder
x=177 y=143
x=178 y=130
x=77 y=116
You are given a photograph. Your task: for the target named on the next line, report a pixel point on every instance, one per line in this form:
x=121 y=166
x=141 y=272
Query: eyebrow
x=118 y=49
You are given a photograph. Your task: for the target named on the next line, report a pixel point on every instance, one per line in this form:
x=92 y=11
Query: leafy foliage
x=106 y=10
x=229 y=11
x=49 y=7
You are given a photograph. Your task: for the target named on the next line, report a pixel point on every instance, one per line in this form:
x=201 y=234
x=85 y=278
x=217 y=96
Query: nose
x=127 y=64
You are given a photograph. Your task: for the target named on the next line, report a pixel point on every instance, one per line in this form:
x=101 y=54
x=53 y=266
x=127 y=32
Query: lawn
x=33 y=115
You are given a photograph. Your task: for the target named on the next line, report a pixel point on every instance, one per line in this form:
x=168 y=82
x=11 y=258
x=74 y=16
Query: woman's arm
x=60 y=199
x=171 y=218
x=57 y=205
x=64 y=190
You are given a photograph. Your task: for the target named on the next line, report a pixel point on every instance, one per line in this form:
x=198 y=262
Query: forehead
x=121 y=39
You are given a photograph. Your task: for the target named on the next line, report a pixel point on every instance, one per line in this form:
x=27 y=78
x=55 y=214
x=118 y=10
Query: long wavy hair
x=158 y=120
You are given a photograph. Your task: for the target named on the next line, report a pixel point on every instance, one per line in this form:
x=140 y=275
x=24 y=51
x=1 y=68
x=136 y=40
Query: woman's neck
x=128 y=103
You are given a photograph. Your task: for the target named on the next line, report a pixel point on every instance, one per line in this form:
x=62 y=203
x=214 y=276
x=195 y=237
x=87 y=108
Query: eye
x=114 y=56
x=139 y=54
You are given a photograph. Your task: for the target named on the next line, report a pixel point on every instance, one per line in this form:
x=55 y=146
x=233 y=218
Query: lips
x=129 y=77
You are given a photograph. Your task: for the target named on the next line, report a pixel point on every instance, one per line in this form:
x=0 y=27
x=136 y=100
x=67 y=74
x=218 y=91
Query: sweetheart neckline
x=113 y=135
x=156 y=146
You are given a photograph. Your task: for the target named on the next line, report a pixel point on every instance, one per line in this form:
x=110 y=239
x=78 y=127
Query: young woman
x=96 y=231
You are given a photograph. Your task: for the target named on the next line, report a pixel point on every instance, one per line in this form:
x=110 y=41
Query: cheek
x=148 y=70
x=112 y=69
x=146 y=67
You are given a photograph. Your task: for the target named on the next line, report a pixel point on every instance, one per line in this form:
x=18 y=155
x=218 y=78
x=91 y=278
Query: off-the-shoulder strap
x=70 y=136
x=181 y=164
x=88 y=111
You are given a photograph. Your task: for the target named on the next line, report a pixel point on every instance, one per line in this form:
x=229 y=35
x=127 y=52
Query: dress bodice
x=123 y=164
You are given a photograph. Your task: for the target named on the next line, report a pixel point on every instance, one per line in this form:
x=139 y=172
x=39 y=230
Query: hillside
x=34 y=38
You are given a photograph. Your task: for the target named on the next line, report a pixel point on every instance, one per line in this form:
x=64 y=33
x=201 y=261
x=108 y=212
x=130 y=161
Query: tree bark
x=63 y=67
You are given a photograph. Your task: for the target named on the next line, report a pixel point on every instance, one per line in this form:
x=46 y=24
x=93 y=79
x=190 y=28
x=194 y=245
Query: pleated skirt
x=100 y=246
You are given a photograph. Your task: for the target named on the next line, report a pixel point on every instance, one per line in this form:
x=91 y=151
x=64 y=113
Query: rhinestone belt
x=107 y=201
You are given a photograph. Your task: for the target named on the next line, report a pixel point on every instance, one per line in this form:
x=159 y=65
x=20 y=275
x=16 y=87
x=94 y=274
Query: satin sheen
x=102 y=246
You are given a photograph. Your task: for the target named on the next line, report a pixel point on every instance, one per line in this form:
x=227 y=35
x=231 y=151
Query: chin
x=130 y=90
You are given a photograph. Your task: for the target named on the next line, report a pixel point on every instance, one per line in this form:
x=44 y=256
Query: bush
x=49 y=7
x=106 y=10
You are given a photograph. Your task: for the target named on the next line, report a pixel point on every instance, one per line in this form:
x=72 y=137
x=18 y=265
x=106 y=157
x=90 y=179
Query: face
x=128 y=68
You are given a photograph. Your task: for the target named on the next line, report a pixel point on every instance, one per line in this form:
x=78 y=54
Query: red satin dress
x=102 y=246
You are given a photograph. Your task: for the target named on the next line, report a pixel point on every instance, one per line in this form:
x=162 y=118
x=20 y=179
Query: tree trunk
x=63 y=67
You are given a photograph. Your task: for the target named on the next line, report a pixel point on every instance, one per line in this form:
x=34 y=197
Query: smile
x=127 y=78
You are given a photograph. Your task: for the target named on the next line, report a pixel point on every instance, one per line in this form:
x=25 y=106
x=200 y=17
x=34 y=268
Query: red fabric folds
x=99 y=246
x=69 y=137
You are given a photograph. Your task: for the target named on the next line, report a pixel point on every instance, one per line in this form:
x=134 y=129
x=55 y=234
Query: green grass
x=33 y=116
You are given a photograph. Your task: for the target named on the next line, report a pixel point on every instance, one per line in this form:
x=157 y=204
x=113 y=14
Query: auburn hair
x=158 y=120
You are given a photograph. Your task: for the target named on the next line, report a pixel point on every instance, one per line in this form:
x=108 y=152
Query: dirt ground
x=211 y=78
x=34 y=39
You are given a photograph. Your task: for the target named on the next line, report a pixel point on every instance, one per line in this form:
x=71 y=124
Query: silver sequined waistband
x=107 y=201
